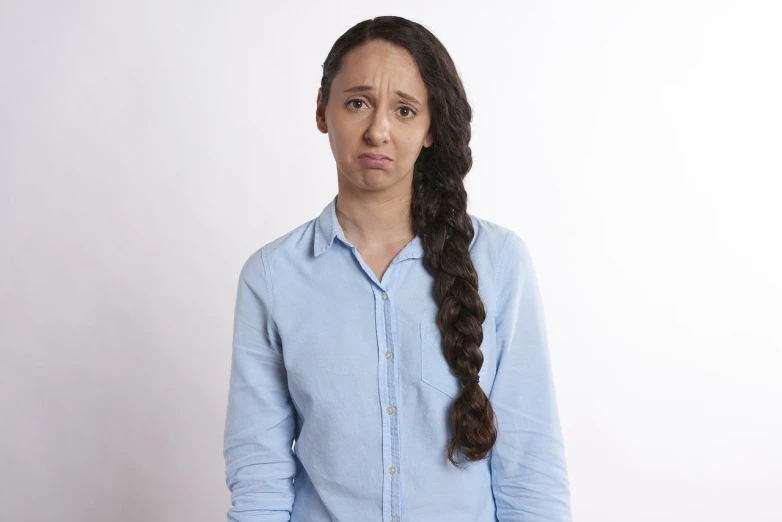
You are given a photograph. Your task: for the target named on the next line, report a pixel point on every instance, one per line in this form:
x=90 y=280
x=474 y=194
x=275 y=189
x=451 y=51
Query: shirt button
x=390 y=410
x=392 y=470
x=389 y=355
x=385 y=296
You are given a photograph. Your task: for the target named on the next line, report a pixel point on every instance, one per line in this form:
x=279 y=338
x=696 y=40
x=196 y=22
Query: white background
x=147 y=148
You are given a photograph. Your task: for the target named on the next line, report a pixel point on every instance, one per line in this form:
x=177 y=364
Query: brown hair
x=439 y=211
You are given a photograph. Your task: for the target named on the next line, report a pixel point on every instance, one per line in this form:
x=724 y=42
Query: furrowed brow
x=366 y=88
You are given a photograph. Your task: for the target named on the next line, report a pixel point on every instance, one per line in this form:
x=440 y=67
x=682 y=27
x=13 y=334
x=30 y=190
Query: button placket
x=389 y=393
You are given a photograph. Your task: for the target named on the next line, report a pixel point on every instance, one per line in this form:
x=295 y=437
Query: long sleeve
x=260 y=418
x=529 y=472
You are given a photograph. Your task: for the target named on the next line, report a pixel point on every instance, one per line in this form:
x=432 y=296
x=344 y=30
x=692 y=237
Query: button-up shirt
x=339 y=391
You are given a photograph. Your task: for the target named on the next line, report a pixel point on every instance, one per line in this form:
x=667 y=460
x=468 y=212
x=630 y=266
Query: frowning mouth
x=374 y=156
x=374 y=161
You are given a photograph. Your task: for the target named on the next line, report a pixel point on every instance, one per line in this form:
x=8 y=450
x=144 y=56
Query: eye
x=351 y=104
x=409 y=110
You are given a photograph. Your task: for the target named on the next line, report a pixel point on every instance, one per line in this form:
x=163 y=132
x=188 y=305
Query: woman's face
x=377 y=105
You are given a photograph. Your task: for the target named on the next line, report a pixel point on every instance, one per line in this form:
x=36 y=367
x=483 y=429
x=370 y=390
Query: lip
x=374 y=161
x=374 y=156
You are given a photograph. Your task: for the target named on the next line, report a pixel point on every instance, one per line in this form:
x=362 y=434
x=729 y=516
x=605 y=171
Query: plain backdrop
x=148 y=148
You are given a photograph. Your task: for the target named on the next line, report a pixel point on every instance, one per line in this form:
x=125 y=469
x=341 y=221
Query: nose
x=379 y=128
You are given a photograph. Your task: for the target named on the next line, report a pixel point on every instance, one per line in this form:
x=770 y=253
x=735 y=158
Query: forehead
x=382 y=65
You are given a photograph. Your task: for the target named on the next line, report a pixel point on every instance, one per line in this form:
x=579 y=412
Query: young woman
x=398 y=340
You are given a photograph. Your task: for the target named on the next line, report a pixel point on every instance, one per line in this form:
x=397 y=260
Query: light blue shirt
x=351 y=369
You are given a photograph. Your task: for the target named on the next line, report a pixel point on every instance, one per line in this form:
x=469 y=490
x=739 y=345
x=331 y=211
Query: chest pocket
x=435 y=370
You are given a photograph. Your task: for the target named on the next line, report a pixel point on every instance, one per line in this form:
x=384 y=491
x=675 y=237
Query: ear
x=428 y=140
x=320 y=114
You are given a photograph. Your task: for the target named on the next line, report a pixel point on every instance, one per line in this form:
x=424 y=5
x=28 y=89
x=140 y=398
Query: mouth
x=374 y=161
x=374 y=156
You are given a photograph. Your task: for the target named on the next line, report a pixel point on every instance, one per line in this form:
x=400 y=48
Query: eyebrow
x=364 y=88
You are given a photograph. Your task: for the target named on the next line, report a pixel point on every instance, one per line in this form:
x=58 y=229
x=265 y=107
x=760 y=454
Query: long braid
x=439 y=210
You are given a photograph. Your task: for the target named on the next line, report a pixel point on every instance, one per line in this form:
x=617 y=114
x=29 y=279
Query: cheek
x=333 y=143
x=337 y=139
x=412 y=145
x=342 y=135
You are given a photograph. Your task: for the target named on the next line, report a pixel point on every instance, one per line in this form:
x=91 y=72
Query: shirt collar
x=327 y=228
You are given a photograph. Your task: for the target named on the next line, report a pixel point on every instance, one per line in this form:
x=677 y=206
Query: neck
x=375 y=219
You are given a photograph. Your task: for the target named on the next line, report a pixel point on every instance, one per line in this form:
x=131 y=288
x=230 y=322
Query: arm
x=260 y=419
x=529 y=472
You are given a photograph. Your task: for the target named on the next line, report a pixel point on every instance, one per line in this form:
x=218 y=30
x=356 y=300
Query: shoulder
x=291 y=245
x=498 y=242
x=493 y=231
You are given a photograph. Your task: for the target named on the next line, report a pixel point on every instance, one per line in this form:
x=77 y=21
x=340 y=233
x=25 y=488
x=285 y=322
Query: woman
x=396 y=338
